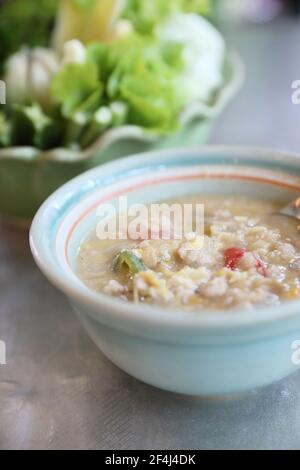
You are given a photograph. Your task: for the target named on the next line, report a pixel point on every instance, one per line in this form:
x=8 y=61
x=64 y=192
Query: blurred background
x=266 y=33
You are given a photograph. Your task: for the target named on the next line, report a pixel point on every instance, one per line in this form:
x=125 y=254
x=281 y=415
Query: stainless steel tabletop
x=57 y=391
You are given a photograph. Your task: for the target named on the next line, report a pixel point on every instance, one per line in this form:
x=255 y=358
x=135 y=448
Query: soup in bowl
x=179 y=267
x=242 y=256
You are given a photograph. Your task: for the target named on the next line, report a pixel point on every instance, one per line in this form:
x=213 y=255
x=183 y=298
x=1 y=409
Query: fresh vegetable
x=149 y=61
x=29 y=74
x=203 y=7
x=107 y=116
x=137 y=72
x=145 y=15
x=203 y=54
x=32 y=126
x=87 y=20
x=74 y=52
x=91 y=89
x=128 y=260
x=24 y=22
x=76 y=84
x=4 y=131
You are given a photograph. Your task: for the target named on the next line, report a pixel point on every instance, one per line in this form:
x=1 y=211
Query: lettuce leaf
x=146 y=14
x=138 y=72
x=144 y=79
x=77 y=87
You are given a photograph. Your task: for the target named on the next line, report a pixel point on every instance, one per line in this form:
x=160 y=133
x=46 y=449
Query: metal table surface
x=57 y=391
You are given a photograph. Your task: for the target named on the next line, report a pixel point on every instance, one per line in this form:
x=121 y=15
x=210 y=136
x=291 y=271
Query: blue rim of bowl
x=48 y=217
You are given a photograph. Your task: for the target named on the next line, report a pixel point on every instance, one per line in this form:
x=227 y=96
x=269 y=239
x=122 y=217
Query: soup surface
x=245 y=258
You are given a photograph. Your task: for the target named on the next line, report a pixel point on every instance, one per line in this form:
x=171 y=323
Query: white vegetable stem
x=74 y=52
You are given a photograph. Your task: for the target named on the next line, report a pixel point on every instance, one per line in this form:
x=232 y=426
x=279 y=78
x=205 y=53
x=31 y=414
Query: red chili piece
x=232 y=256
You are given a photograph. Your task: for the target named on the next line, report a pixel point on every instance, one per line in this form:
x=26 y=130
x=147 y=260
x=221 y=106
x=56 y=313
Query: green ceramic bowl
x=28 y=176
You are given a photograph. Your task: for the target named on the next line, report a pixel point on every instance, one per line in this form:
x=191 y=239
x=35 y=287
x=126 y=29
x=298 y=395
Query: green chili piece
x=128 y=259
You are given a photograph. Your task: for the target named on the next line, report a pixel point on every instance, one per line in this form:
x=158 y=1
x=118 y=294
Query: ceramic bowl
x=200 y=353
x=28 y=176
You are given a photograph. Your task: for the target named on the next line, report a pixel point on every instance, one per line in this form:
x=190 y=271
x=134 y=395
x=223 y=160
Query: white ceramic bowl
x=201 y=353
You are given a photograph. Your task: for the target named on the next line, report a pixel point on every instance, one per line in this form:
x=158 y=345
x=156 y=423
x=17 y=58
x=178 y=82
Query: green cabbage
x=138 y=72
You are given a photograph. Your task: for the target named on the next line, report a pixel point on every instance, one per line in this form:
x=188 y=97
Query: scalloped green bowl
x=28 y=176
